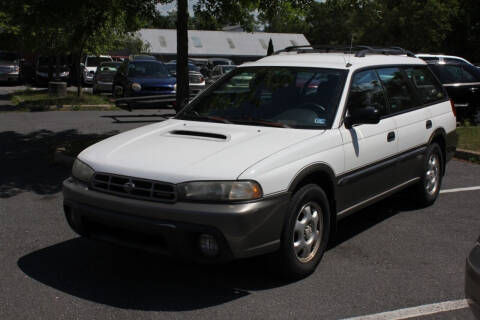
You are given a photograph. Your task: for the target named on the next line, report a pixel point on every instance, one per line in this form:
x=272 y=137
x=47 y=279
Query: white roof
x=220 y=43
x=333 y=60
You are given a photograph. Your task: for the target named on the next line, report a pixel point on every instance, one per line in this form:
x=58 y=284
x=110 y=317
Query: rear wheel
x=427 y=190
x=306 y=232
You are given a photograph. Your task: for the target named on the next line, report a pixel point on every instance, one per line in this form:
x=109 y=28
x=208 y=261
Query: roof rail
x=360 y=51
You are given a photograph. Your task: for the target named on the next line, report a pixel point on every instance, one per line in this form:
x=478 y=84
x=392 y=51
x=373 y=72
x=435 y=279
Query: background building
x=234 y=45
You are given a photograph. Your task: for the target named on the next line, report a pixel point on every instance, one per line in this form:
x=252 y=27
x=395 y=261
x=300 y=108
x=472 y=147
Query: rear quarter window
x=427 y=87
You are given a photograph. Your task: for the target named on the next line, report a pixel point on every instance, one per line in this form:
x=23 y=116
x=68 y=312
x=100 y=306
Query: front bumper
x=103 y=86
x=9 y=77
x=241 y=229
x=472 y=280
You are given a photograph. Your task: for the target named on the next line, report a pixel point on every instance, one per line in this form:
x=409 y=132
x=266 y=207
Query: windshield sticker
x=320 y=121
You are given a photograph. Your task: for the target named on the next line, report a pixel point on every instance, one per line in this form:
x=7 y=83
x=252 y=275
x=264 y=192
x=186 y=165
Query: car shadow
x=370 y=216
x=130 y=279
x=27 y=161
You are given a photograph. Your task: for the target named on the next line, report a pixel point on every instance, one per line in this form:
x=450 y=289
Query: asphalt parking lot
x=388 y=257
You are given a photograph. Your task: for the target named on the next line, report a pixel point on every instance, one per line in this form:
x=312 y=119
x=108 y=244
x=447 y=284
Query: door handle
x=390 y=136
x=428 y=125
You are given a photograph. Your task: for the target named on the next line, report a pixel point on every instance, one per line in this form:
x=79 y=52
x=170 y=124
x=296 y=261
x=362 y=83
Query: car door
x=368 y=148
x=413 y=120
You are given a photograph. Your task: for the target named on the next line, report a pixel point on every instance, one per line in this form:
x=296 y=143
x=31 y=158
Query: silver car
x=103 y=79
x=9 y=67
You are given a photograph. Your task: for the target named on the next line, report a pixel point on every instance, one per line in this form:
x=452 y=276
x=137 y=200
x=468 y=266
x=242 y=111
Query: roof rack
x=360 y=51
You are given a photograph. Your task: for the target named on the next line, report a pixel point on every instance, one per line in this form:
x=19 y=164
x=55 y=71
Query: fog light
x=208 y=245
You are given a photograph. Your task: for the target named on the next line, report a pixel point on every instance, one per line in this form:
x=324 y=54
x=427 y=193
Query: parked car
x=9 y=66
x=143 y=78
x=269 y=167
x=212 y=62
x=196 y=81
x=472 y=279
x=41 y=70
x=440 y=58
x=462 y=82
x=90 y=67
x=103 y=79
x=141 y=57
x=218 y=72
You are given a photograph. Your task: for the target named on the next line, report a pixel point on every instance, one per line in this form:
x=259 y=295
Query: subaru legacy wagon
x=269 y=158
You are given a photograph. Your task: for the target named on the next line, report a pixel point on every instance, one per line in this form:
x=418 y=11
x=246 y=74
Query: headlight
x=82 y=171
x=136 y=87
x=220 y=190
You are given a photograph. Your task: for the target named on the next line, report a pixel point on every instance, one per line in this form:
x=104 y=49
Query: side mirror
x=368 y=115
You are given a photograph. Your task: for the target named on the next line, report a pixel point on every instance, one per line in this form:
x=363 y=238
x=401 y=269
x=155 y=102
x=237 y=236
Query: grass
x=30 y=100
x=469 y=138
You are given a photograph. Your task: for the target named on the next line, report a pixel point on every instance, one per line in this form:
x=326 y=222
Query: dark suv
x=462 y=82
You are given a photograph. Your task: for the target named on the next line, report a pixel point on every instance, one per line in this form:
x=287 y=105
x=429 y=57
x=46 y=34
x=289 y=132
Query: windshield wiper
x=260 y=123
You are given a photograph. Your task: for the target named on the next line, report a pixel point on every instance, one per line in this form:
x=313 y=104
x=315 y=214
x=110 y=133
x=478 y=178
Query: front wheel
x=306 y=232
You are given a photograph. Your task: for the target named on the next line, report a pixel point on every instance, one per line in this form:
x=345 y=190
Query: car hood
x=159 y=153
x=154 y=81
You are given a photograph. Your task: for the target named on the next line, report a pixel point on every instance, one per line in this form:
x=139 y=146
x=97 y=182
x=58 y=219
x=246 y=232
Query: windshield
x=95 y=61
x=272 y=96
x=7 y=57
x=113 y=66
x=172 y=67
x=227 y=69
x=147 y=69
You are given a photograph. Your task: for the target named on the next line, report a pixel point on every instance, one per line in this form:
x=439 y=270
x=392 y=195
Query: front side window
x=272 y=96
x=366 y=91
x=399 y=93
x=426 y=85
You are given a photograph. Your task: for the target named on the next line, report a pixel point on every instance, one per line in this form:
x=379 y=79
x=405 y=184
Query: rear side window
x=455 y=74
x=399 y=93
x=428 y=88
x=367 y=91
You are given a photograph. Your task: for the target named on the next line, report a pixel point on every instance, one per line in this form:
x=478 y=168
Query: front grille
x=105 y=78
x=134 y=187
x=195 y=78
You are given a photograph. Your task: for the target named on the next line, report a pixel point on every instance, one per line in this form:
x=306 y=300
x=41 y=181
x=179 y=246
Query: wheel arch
x=322 y=175
x=439 y=136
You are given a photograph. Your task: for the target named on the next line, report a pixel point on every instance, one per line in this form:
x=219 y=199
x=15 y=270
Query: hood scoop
x=199 y=135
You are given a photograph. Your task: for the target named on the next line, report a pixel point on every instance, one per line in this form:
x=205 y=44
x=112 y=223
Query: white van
x=269 y=158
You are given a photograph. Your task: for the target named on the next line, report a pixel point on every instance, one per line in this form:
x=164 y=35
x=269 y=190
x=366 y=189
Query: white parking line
x=416 y=311
x=460 y=189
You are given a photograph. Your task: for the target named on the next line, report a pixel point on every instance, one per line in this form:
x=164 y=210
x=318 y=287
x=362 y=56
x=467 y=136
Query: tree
x=233 y=11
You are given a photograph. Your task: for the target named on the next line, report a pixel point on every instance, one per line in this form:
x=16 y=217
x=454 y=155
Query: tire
x=426 y=191
x=300 y=252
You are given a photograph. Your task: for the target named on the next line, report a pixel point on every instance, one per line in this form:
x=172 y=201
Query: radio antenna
x=350 y=53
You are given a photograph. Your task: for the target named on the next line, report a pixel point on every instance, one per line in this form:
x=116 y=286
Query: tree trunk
x=57 y=67
x=182 y=54
x=78 y=70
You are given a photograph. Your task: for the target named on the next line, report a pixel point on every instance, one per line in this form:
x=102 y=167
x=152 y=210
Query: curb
x=468 y=155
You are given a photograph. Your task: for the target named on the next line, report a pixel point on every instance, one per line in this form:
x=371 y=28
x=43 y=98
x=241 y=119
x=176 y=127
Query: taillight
x=453 y=108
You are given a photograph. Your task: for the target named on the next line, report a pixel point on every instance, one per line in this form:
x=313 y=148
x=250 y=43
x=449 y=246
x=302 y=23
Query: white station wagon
x=269 y=158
